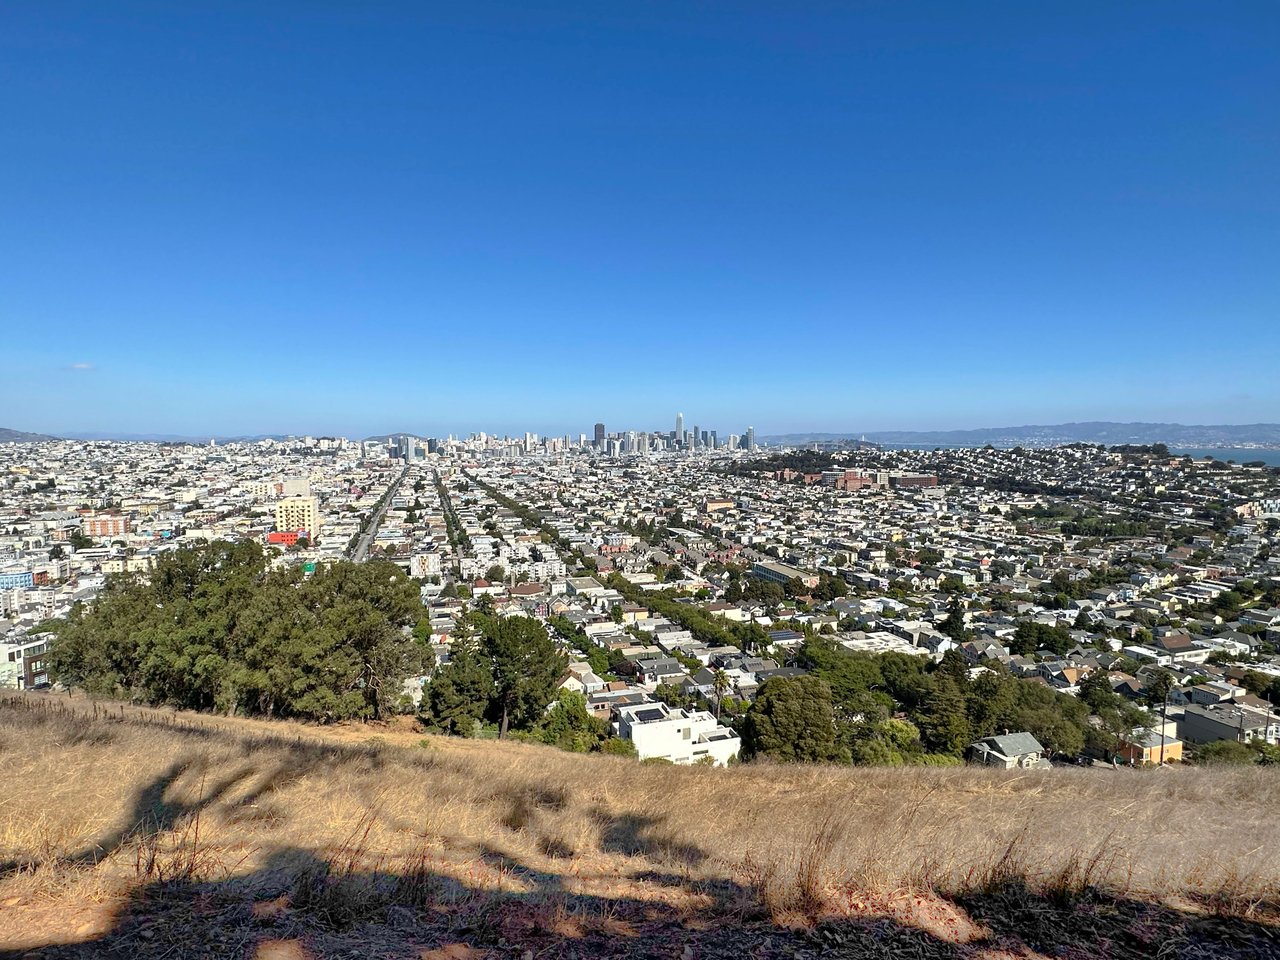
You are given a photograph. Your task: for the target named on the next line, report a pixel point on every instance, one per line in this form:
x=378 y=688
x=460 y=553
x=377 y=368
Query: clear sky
x=362 y=217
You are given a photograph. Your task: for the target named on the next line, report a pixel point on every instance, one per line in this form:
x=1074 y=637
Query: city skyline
x=303 y=220
x=1248 y=441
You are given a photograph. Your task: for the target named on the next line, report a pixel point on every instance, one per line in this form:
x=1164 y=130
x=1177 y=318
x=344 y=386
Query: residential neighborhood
x=680 y=575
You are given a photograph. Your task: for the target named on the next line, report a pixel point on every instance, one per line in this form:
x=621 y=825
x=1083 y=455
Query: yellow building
x=298 y=514
x=1146 y=747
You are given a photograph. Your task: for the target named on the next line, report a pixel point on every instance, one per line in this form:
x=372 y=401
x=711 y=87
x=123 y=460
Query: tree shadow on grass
x=632 y=835
x=1094 y=924
x=155 y=811
x=300 y=906
x=151 y=813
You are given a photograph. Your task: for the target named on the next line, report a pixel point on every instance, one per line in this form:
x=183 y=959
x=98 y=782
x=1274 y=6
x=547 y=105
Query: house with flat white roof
x=670 y=733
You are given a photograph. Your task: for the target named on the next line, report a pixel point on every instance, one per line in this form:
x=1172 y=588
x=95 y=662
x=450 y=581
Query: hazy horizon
x=851 y=433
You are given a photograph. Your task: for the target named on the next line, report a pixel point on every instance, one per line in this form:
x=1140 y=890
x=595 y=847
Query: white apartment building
x=681 y=736
x=424 y=565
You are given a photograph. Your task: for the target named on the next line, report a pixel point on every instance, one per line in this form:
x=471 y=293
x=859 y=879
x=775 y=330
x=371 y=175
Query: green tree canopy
x=210 y=628
x=526 y=668
x=792 y=720
x=1032 y=636
x=1157 y=686
x=570 y=726
x=459 y=694
x=954 y=626
x=943 y=718
x=1225 y=752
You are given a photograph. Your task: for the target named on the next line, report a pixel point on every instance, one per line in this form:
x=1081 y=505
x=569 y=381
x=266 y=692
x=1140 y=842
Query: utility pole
x=1164 y=723
x=1271 y=698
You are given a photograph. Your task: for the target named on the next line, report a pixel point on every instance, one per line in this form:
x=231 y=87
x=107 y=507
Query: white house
x=582 y=679
x=681 y=736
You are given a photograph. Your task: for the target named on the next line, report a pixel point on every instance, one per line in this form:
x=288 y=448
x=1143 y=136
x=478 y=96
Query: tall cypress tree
x=460 y=692
x=942 y=718
x=526 y=668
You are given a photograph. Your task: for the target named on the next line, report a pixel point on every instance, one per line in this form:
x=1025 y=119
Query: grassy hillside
x=149 y=833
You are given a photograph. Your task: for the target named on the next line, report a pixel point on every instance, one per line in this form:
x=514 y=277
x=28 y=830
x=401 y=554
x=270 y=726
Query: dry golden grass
x=99 y=802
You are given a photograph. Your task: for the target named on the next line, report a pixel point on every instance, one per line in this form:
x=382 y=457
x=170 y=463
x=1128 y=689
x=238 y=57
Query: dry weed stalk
x=361 y=828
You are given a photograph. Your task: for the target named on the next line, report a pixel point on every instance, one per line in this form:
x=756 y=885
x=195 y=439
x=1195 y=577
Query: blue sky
x=338 y=217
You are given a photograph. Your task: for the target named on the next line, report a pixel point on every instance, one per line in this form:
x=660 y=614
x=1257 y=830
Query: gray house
x=1010 y=751
x=660 y=670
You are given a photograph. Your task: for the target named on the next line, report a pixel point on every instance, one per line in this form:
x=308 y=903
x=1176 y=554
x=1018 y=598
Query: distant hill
x=18 y=436
x=1096 y=431
x=170 y=437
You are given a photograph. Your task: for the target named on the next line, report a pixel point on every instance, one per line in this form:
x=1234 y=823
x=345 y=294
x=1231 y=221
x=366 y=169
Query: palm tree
x=721 y=684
